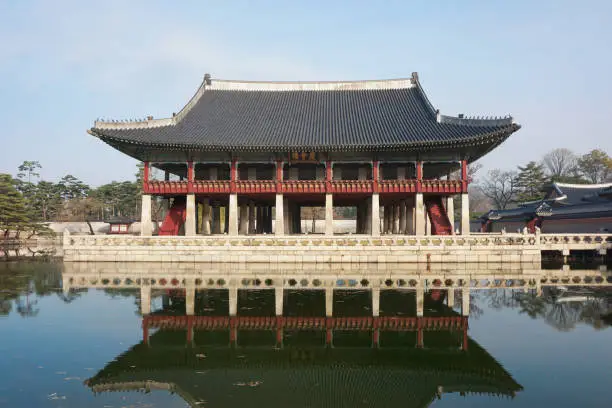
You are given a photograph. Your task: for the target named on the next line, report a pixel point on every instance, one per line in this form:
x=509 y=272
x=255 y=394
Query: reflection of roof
x=120 y=220
x=282 y=116
x=305 y=376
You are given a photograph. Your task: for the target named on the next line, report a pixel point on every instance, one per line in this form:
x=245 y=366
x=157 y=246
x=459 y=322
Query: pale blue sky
x=65 y=63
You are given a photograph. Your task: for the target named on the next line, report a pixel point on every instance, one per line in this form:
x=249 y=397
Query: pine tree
x=13 y=213
x=530 y=182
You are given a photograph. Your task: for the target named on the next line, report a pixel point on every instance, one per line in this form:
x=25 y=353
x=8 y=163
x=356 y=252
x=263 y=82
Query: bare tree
x=500 y=187
x=560 y=163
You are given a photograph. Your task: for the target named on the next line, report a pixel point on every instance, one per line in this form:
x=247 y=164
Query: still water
x=544 y=346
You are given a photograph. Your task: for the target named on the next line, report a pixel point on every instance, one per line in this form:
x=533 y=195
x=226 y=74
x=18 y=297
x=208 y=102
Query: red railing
x=304 y=186
x=307 y=323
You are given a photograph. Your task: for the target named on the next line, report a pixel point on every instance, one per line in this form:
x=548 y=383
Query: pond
x=76 y=345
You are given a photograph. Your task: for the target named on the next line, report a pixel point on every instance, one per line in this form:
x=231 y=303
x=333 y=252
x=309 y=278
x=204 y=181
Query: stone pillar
x=280 y=219
x=465 y=301
x=286 y=216
x=146 y=228
x=145 y=299
x=329 y=214
x=206 y=217
x=427 y=224
x=375 y=302
x=403 y=223
x=374 y=215
x=278 y=301
x=189 y=300
x=465 y=214
x=243 y=227
x=190 y=217
x=450 y=211
x=420 y=300
x=450 y=298
x=419 y=218
x=232 y=228
x=329 y=302
x=252 y=210
x=396 y=218
x=233 y=301
x=216 y=222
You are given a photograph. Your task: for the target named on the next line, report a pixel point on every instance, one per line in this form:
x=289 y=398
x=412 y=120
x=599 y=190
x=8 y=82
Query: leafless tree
x=560 y=163
x=500 y=187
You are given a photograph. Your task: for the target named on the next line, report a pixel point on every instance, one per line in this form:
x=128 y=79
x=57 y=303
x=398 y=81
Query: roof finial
x=207 y=79
x=415 y=77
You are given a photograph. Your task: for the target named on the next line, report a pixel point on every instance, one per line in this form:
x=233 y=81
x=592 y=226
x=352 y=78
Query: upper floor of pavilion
x=386 y=120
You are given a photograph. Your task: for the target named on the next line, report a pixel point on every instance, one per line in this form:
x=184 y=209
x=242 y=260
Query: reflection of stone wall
x=100 y=228
x=303 y=249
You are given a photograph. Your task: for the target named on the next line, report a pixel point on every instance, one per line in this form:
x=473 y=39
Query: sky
x=64 y=64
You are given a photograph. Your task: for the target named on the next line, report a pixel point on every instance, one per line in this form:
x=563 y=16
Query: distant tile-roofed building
x=565 y=208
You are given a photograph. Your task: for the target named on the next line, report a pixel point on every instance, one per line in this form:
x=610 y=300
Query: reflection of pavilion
x=283 y=360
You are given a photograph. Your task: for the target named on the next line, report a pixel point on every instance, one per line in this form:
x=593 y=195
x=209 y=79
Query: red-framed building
x=255 y=151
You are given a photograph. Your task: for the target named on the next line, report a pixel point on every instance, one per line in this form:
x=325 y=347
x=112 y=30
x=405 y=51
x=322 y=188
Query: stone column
x=450 y=298
x=145 y=299
x=374 y=215
x=286 y=216
x=375 y=302
x=190 y=217
x=278 y=301
x=420 y=300
x=465 y=301
x=216 y=228
x=419 y=218
x=233 y=301
x=243 y=227
x=427 y=224
x=252 y=211
x=146 y=228
x=329 y=302
x=403 y=223
x=396 y=218
x=280 y=219
x=190 y=299
x=329 y=214
x=465 y=214
x=450 y=210
x=232 y=228
x=206 y=217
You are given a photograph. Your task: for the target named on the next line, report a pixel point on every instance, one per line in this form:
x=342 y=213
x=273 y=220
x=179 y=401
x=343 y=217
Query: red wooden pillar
x=419 y=176
x=464 y=176
x=376 y=337
x=145 y=330
x=190 y=176
x=233 y=175
x=375 y=175
x=279 y=175
x=465 y=335
x=233 y=331
x=189 y=330
x=329 y=173
x=145 y=177
x=419 y=332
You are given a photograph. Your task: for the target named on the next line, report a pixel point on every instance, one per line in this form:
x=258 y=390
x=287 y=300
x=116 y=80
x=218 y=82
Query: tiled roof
x=581 y=193
x=361 y=115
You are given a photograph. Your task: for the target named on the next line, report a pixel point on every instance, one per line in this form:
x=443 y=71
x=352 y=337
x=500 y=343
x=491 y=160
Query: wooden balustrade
x=303 y=186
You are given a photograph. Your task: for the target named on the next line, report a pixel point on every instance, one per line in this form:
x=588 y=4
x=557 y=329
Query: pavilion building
x=243 y=154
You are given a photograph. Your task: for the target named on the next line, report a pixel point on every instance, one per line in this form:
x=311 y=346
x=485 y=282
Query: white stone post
x=232 y=228
x=145 y=299
x=450 y=211
x=465 y=302
x=465 y=214
x=374 y=215
x=419 y=218
x=420 y=300
x=329 y=302
x=427 y=224
x=375 y=302
x=189 y=300
x=403 y=222
x=278 y=300
x=190 y=217
x=329 y=214
x=396 y=218
x=252 y=210
x=206 y=217
x=233 y=300
x=279 y=228
x=243 y=227
x=450 y=298
x=146 y=229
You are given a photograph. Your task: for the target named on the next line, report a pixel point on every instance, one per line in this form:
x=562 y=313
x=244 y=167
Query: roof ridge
x=583 y=186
